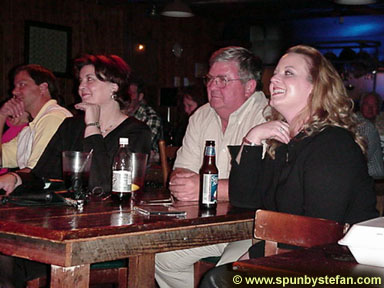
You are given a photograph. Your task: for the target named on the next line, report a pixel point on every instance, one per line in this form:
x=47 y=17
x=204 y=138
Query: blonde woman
x=315 y=163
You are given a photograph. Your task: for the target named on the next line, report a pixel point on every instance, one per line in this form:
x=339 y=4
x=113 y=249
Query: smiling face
x=227 y=100
x=92 y=90
x=290 y=85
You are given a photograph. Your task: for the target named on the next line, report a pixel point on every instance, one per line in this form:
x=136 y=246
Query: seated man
x=34 y=91
x=370 y=104
x=234 y=107
x=374 y=153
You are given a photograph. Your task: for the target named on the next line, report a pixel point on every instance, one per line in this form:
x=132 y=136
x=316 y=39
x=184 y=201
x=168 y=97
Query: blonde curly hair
x=328 y=103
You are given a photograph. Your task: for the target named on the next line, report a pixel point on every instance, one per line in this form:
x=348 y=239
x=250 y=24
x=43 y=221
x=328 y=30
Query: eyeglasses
x=220 y=80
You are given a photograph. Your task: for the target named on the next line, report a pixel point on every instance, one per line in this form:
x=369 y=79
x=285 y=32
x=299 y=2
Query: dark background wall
x=112 y=30
x=117 y=27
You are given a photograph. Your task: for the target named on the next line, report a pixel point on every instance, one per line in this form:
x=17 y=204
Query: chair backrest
x=302 y=231
x=167 y=155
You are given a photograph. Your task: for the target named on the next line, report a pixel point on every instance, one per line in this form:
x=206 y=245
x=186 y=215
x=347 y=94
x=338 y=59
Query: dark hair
x=250 y=66
x=40 y=75
x=109 y=68
x=139 y=84
x=197 y=94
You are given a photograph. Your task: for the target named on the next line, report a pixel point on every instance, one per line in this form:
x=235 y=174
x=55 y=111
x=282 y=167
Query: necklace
x=109 y=128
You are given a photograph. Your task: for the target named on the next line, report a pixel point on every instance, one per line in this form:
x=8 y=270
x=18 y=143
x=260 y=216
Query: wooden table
x=70 y=240
x=327 y=260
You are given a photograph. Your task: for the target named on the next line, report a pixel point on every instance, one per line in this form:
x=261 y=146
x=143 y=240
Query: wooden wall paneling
x=94 y=28
x=114 y=30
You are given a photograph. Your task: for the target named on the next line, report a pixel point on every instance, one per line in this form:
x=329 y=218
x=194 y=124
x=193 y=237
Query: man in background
x=369 y=110
x=235 y=106
x=139 y=109
x=35 y=90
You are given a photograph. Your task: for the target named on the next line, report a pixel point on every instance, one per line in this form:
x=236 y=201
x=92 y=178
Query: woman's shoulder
x=132 y=122
x=132 y=125
x=76 y=122
x=75 y=119
x=336 y=138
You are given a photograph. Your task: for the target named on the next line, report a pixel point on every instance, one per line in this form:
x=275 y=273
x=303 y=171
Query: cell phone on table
x=160 y=211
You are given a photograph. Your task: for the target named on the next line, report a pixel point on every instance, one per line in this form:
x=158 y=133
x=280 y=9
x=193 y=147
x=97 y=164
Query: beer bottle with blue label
x=209 y=178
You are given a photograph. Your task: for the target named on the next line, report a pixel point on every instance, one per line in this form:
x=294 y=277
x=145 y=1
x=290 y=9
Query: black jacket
x=324 y=175
x=70 y=137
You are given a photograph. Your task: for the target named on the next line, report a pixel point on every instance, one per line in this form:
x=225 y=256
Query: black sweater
x=70 y=137
x=323 y=175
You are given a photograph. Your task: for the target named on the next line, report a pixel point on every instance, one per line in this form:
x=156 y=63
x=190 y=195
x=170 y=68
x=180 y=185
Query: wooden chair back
x=302 y=231
x=167 y=156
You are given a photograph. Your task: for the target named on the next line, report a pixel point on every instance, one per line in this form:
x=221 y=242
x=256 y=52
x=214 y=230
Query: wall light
x=140 y=48
x=177 y=9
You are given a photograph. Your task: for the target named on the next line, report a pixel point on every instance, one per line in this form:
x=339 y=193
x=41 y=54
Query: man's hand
x=9 y=182
x=184 y=184
x=12 y=108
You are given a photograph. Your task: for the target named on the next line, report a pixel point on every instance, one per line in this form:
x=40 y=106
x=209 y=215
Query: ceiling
x=263 y=10
x=272 y=10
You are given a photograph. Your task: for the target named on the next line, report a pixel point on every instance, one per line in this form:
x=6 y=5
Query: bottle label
x=209 y=195
x=122 y=181
x=209 y=151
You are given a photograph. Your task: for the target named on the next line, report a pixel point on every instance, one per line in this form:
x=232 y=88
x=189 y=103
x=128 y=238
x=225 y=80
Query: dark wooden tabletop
x=71 y=239
x=101 y=218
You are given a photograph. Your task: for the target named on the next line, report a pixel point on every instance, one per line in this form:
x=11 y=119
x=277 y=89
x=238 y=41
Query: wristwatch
x=97 y=124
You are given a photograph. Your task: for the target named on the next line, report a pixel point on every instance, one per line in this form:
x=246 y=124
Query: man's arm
x=12 y=108
x=222 y=193
x=154 y=123
x=9 y=182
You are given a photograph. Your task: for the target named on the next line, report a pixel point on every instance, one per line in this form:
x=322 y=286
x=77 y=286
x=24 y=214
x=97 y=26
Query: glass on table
x=138 y=164
x=76 y=168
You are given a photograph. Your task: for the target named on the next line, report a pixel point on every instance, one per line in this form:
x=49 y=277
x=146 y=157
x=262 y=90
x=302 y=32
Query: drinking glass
x=76 y=168
x=139 y=168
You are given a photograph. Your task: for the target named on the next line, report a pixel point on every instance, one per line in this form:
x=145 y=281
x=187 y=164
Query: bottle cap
x=123 y=141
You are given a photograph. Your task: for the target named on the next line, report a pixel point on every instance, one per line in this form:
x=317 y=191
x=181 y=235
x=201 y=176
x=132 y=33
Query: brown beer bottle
x=209 y=178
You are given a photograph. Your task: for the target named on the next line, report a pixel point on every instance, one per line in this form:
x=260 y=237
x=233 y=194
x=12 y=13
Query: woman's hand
x=277 y=130
x=92 y=115
x=92 y=111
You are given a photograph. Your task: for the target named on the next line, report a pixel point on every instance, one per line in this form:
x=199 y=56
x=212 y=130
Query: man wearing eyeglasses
x=235 y=106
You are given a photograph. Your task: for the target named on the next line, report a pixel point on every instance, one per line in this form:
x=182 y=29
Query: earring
x=114 y=96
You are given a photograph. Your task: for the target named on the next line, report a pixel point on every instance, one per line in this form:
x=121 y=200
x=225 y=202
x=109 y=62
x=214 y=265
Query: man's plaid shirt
x=149 y=116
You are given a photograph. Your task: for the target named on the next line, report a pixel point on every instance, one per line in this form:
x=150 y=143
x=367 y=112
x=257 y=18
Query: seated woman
x=102 y=83
x=103 y=80
x=314 y=163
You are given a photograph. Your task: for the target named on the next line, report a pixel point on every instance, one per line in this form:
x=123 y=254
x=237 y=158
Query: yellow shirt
x=44 y=126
